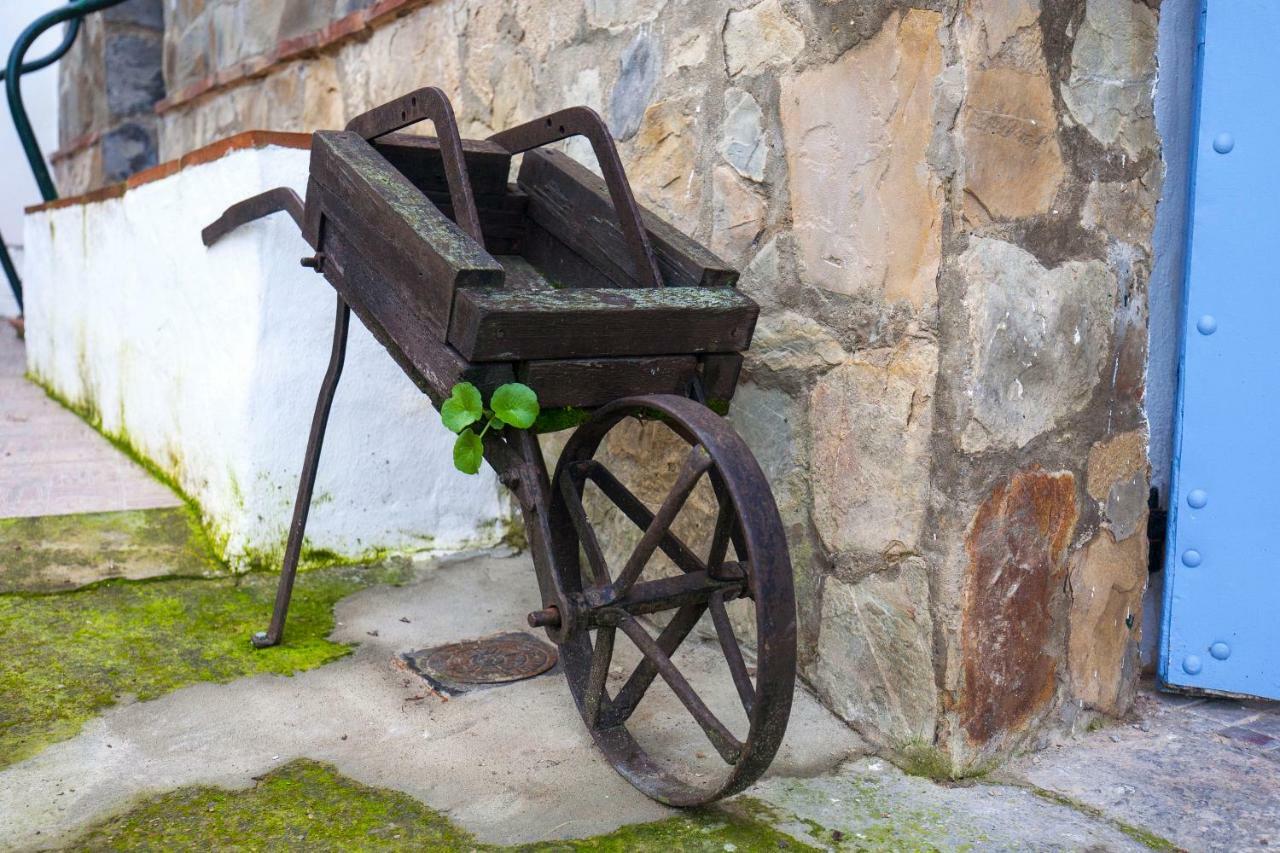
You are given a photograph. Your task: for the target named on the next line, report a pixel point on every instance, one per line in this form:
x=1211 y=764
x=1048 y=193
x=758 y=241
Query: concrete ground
x=513 y=764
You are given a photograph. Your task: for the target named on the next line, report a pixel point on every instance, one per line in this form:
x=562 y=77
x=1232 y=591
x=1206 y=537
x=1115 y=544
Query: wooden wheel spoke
x=732 y=652
x=595 y=698
x=729 y=747
x=586 y=533
x=625 y=702
x=633 y=508
x=695 y=465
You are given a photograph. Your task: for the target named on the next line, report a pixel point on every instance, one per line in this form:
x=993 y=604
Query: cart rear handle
x=583 y=121
x=429 y=104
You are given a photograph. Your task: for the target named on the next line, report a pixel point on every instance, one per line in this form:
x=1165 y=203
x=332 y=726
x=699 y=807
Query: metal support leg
x=298 y=527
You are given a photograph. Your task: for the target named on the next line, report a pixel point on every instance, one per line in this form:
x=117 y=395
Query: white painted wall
x=40 y=95
x=208 y=362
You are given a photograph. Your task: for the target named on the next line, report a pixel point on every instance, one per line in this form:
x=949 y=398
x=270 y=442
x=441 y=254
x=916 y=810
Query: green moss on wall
x=66 y=657
x=307 y=805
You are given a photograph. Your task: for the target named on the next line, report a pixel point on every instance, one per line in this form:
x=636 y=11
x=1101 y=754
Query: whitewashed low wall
x=208 y=361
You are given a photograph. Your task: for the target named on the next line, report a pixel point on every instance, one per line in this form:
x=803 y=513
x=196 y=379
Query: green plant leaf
x=468 y=451
x=515 y=404
x=463 y=408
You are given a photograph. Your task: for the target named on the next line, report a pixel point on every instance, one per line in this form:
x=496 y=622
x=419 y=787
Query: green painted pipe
x=73 y=12
x=13 y=80
x=68 y=39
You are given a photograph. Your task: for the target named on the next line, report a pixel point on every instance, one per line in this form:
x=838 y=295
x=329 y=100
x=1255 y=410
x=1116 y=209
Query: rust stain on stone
x=1017 y=547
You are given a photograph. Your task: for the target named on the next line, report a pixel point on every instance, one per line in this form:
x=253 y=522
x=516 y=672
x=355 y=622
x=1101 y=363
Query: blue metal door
x=1222 y=581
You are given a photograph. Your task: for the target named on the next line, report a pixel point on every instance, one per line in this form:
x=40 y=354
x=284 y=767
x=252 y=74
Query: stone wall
x=944 y=208
x=109 y=84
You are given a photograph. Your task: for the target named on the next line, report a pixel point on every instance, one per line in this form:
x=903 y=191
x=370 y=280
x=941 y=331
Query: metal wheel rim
x=764 y=539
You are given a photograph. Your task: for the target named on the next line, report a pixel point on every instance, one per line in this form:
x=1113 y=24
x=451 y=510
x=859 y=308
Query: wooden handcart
x=562 y=282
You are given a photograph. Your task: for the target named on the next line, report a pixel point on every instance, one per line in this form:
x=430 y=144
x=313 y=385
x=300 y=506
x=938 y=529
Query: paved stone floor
x=51 y=462
x=1203 y=772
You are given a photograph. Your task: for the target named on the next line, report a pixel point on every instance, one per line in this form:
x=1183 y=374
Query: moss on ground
x=66 y=657
x=51 y=553
x=308 y=805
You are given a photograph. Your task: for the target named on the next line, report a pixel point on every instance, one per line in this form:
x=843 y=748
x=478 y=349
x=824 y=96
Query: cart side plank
x=433 y=365
x=495 y=324
x=591 y=382
x=572 y=203
x=416 y=247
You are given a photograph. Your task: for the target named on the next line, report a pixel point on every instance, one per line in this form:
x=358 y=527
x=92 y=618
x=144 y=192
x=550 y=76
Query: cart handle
x=584 y=121
x=429 y=104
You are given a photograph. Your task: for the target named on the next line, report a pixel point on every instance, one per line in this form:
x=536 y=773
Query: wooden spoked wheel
x=746 y=567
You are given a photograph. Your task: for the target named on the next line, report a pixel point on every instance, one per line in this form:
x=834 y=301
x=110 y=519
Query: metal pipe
x=13 y=79
x=11 y=273
x=11 y=75
x=68 y=39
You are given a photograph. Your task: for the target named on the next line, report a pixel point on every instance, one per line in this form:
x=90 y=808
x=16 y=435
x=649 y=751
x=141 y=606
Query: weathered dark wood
x=572 y=203
x=421 y=253
x=493 y=324
x=720 y=374
x=500 y=205
x=591 y=382
x=418 y=158
x=430 y=363
x=557 y=262
x=502 y=223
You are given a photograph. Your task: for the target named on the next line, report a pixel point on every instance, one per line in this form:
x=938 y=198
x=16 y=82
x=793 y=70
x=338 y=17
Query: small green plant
x=512 y=404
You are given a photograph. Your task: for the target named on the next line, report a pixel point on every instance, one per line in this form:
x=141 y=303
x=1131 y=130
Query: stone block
x=788 y=343
x=873 y=418
x=874 y=665
x=663 y=163
x=139 y=13
x=1117 y=479
x=1123 y=210
x=1113 y=67
x=617 y=14
x=760 y=37
x=1038 y=341
x=134 y=76
x=638 y=68
x=1017 y=556
x=127 y=149
x=742 y=142
x=737 y=215
x=1013 y=164
x=1107 y=581
x=1012 y=161
x=867 y=208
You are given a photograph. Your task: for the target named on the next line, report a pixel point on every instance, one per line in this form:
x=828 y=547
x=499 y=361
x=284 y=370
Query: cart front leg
x=293 y=550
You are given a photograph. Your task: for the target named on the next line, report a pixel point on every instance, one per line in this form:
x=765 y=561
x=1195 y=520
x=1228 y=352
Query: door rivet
x=1191 y=665
x=1197 y=498
x=1207 y=324
x=1191 y=558
x=1223 y=143
x=1220 y=650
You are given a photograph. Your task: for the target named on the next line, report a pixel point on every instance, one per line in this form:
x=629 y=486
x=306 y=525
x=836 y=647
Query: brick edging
x=205 y=154
x=347 y=28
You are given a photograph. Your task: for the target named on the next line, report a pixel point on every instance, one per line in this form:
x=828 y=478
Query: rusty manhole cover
x=498 y=659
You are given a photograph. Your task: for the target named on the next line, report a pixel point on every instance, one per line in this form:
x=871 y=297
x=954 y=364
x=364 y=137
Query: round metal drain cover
x=489 y=660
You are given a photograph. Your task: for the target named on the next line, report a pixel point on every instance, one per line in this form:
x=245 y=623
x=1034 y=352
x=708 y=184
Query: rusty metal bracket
x=586 y=122
x=256 y=207
x=429 y=104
